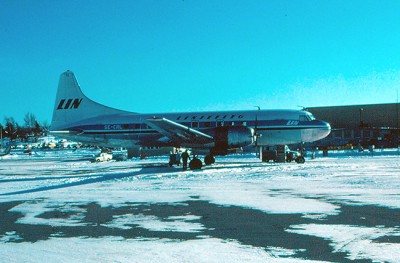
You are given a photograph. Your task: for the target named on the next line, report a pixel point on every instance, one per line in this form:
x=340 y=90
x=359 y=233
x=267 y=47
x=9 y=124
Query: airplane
x=78 y=118
x=5 y=151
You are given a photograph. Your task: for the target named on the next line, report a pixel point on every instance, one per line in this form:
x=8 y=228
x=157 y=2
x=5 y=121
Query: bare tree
x=30 y=120
x=11 y=127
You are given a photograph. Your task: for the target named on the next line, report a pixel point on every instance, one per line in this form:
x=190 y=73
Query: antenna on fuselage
x=303 y=108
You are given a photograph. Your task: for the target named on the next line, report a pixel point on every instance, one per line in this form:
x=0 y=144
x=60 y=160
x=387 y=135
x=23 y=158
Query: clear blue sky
x=161 y=56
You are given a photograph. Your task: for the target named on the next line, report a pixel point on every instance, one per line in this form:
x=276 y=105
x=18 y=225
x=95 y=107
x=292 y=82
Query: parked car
x=120 y=157
x=102 y=157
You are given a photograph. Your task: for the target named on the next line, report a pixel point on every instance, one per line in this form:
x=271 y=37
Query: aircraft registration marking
x=113 y=127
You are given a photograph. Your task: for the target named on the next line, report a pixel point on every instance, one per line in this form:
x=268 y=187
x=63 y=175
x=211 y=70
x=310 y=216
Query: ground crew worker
x=185 y=157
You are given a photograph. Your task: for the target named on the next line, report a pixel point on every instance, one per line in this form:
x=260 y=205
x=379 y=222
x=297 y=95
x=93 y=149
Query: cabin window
x=195 y=124
x=201 y=117
x=137 y=126
x=186 y=117
x=244 y=123
x=220 y=123
x=179 y=118
x=224 y=117
x=207 y=124
x=209 y=117
x=194 y=117
x=233 y=116
x=125 y=126
x=217 y=117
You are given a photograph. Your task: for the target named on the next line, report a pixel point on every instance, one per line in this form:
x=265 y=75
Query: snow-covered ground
x=60 y=207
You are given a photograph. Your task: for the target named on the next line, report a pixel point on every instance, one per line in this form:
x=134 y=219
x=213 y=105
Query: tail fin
x=72 y=105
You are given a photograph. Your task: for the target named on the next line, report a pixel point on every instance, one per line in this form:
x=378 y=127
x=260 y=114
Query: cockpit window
x=307 y=117
x=311 y=117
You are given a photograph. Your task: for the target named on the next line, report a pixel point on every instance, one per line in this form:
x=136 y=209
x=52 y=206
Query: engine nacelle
x=233 y=137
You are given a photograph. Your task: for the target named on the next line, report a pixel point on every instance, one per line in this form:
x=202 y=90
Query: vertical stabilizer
x=72 y=105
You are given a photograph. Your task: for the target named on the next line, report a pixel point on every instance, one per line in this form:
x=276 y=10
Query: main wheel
x=209 y=159
x=300 y=159
x=195 y=164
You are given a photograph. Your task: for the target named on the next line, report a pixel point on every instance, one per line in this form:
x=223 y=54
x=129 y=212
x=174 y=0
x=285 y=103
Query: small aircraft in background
x=5 y=148
x=78 y=118
x=5 y=151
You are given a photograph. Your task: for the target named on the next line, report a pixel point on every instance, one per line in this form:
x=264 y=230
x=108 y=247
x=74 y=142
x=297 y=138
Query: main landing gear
x=196 y=164
x=209 y=159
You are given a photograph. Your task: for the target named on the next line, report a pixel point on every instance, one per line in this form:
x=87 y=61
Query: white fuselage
x=273 y=127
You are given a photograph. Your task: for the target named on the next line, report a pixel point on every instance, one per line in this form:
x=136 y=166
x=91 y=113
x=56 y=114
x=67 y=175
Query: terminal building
x=365 y=125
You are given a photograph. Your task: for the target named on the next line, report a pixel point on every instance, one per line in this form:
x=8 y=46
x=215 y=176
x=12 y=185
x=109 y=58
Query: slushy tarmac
x=329 y=209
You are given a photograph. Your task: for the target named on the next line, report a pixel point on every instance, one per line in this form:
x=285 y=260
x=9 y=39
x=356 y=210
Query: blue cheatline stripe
x=274 y=128
x=201 y=124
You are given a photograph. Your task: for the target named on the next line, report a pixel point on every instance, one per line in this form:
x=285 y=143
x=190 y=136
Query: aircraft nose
x=320 y=130
x=325 y=129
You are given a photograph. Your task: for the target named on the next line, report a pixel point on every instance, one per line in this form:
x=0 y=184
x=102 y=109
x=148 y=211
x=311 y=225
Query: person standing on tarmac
x=185 y=157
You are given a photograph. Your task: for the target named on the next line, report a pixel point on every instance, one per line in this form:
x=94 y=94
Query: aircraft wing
x=179 y=133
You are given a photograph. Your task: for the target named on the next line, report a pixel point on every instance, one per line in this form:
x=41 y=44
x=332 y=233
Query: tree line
x=31 y=128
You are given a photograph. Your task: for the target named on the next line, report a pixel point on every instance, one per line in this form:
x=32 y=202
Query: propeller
x=255 y=128
x=256 y=135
